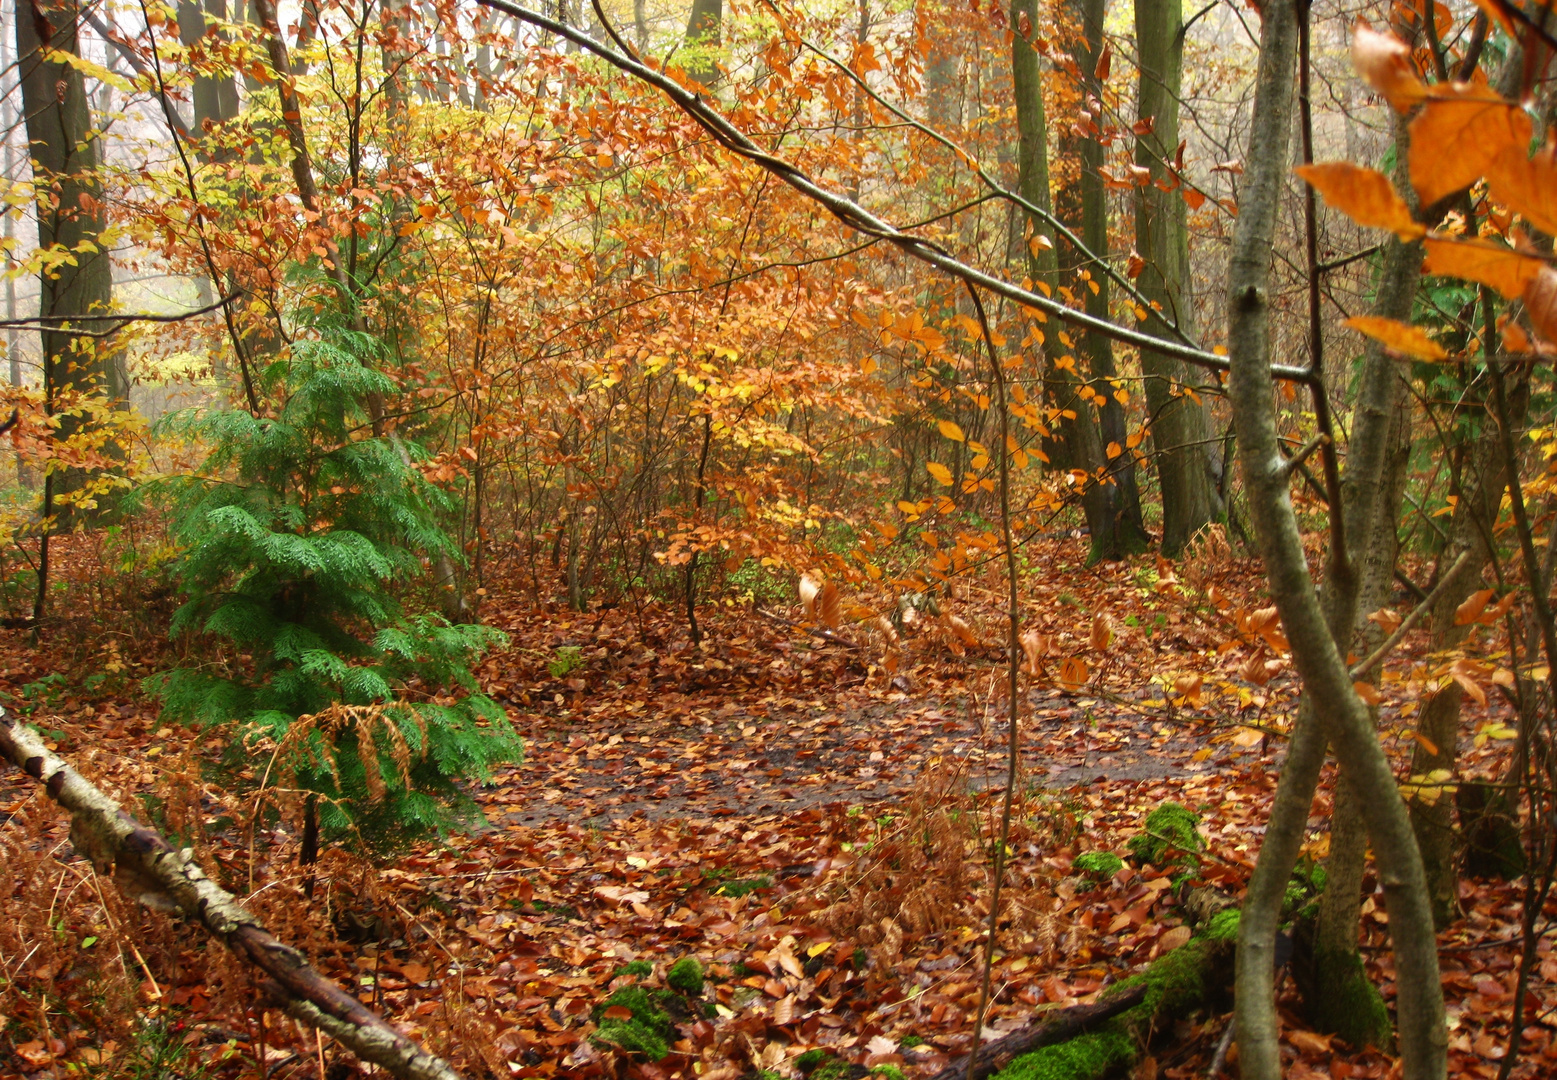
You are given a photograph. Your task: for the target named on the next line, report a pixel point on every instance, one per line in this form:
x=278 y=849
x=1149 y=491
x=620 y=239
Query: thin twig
x=1412 y=619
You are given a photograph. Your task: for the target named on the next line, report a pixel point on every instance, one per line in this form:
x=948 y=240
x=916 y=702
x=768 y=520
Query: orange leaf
x=1471 y=687
x=1426 y=743
x=950 y=430
x=1527 y=184
x=1459 y=135
x=1368 y=692
x=1384 y=62
x=1541 y=302
x=1103 y=62
x=809 y=589
x=829 y=611
x=618 y=1012
x=1073 y=673
x=1254 y=669
x=1494 y=265
x=1398 y=336
x=1470 y=610
x=1364 y=195
x=1102 y=632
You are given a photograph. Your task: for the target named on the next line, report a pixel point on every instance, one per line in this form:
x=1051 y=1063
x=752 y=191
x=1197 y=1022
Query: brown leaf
x=1308 y=1042
x=1254 y=669
x=1527 y=185
x=1172 y=939
x=1384 y=62
x=963 y=631
x=1471 y=608
x=1541 y=302
x=1103 y=63
x=1385 y=619
x=1471 y=687
x=618 y=1012
x=1102 y=632
x=1364 y=195
x=1490 y=263
x=1073 y=673
x=829 y=605
x=1458 y=136
x=809 y=589
x=1400 y=337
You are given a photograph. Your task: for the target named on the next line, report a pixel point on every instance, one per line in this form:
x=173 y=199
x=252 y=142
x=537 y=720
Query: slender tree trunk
x=1312 y=629
x=1181 y=425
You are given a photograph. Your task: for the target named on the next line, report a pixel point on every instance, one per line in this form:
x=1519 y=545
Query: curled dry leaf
x=1102 y=632
x=1386 y=619
x=829 y=606
x=1073 y=673
x=1490 y=263
x=1188 y=686
x=809 y=589
x=1458 y=136
x=1399 y=337
x=1541 y=302
x=887 y=630
x=1035 y=647
x=1471 y=608
x=963 y=631
x=1254 y=669
x=1384 y=62
x=1364 y=195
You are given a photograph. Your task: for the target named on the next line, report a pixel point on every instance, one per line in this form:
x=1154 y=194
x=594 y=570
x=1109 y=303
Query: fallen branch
x=1067 y=1024
x=819 y=631
x=148 y=868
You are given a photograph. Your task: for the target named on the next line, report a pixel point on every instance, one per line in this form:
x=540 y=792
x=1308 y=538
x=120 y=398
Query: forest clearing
x=778 y=541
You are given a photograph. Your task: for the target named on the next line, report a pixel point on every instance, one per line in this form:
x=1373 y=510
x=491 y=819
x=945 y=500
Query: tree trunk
x=1180 y=424
x=1312 y=630
x=1075 y=444
x=1113 y=506
x=70 y=216
x=704 y=27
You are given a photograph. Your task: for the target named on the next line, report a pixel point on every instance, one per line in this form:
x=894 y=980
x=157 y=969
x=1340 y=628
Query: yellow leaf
x=940 y=472
x=1492 y=264
x=950 y=430
x=1399 y=337
x=1364 y=195
x=1457 y=137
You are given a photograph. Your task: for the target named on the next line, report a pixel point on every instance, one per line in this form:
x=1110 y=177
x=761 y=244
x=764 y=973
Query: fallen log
x=148 y=868
x=1064 y=1025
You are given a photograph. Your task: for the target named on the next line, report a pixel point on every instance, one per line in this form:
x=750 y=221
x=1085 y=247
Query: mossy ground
x=1171 y=838
x=1100 y=865
x=647 y=1031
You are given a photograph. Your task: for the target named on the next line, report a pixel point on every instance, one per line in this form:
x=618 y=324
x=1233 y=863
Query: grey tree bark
x=1180 y=425
x=1075 y=443
x=71 y=214
x=1113 y=507
x=1333 y=710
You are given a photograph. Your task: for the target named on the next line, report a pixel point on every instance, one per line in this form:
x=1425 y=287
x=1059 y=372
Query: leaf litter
x=778 y=807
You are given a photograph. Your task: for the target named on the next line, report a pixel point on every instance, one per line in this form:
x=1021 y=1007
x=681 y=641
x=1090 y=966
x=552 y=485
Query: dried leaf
x=1471 y=687
x=1073 y=673
x=1458 y=136
x=1541 y=302
x=1400 y=337
x=963 y=631
x=1527 y=185
x=1493 y=264
x=829 y=606
x=1471 y=608
x=1385 y=619
x=1364 y=195
x=1254 y=669
x=1384 y=62
x=1102 y=632
x=809 y=589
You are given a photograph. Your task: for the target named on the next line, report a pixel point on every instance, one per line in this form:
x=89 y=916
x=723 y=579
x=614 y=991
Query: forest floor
x=813 y=824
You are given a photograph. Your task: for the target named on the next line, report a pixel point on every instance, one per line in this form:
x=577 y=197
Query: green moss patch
x=1171 y=838
x=647 y=1030
x=1086 y=1057
x=1348 y=1003
x=1099 y=865
x=686 y=975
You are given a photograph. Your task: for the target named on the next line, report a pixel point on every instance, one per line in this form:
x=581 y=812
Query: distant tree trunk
x=1181 y=425
x=1075 y=442
x=1113 y=506
x=70 y=217
x=704 y=28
